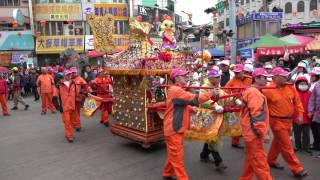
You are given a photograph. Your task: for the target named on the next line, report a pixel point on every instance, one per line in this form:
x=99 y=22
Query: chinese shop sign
x=57 y=12
x=59 y=17
x=57 y=44
x=277 y=51
x=119 y=11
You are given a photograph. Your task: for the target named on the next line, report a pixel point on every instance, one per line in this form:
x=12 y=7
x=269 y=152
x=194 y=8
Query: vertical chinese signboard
x=57 y=44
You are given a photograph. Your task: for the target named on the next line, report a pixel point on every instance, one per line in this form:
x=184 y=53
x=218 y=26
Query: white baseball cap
x=248 y=67
x=301 y=64
x=225 y=62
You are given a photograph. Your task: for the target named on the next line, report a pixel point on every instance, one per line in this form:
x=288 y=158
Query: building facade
x=62 y=24
x=16 y=39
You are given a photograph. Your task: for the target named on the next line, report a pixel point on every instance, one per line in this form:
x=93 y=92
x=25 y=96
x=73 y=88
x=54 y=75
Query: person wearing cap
x=283 y=102
x=82 y=88
x=17 y=88
x=45 y=85
x=67 y=99
x=240 y=80
x=213 y=80
x=102 y=86
x=314 y=115
x=302 y=131
x=227 y=74
x=268 y=68
x=301 y=69
x=255 y=127
x=248 y=69
x=4 y=91
x=314 y=77
x=177 y=121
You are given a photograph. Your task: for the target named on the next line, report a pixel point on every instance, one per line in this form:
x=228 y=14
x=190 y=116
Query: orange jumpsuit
x=255 y=124
x=282 y=103
x=103 y=84
x=3 y=96
x=80 y=83
x=176 y=122
x=68 y=104
x=236 y=82
x=45 y=85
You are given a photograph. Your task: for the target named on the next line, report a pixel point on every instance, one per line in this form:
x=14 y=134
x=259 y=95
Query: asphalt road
x=33 y=147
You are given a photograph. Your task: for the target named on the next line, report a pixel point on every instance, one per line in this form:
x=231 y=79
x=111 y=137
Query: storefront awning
x=314 y=45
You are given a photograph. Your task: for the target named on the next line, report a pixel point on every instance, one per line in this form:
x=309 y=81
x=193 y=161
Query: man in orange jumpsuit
x=177 y=121
x=45 y=84
x=242 y=81
x=283 y=101
x=81 y=90
x=255 y=126
x=67 y=98
x=102 y=83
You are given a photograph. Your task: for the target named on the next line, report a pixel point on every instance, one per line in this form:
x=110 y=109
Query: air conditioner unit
x=68 y=29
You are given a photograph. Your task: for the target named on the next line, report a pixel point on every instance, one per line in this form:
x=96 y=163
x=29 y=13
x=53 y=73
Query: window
x=288 y=8
x=300 y=6
x=313 y=5
x=57 y=1
x=227 y=22
x=247 y=1
x=242 y=2
x=121 y=27
x=9 y=2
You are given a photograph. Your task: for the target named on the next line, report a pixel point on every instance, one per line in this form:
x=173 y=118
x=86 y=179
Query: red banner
x=275 y=51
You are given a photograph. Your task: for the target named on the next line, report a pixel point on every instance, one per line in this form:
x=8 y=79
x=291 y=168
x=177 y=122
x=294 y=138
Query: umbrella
x=296 y=39
x=4 y=69
x=270 y=41
x=314 y=45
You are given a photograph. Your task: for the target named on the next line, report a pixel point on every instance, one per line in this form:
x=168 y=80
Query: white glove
x=219 y=109
x=238 y=102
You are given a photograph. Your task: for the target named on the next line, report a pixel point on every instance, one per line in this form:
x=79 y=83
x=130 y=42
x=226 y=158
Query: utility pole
x=31 y=17
x=233 y=27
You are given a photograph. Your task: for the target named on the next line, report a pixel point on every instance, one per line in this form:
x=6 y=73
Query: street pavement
x=33 y=147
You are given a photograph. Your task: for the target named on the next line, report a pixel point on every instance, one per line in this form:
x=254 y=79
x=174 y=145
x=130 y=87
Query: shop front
x=15 y=47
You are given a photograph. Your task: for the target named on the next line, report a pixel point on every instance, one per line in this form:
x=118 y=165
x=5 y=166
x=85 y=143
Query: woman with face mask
x=302 y=131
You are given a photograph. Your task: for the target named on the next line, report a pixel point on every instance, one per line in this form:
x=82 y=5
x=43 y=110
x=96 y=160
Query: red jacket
x=103 y=86
x=304 y=97
x=3 y=87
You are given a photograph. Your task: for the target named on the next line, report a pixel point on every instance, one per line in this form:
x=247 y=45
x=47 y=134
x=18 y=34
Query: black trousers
x=35 y=93
x=315 y=128
x=301 y=136
x=206 y=152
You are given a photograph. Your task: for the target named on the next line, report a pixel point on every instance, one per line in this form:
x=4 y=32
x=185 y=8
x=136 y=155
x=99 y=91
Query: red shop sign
x=275 y=51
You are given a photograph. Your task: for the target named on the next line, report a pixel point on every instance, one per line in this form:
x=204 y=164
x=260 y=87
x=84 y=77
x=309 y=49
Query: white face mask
x=303 y=87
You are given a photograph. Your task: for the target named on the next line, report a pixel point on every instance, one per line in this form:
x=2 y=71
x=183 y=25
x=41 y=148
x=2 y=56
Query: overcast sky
x=196 y=7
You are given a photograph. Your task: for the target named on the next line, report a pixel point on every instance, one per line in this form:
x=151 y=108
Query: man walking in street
x=67 y=98
x=81 y=89
x=17 y=88
x=283 y=101
x=33 y=82
x=255 y=126
x=102 y=84
x=240 y=80
x=177 y=121
x=45 y=85
x=4 y=91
